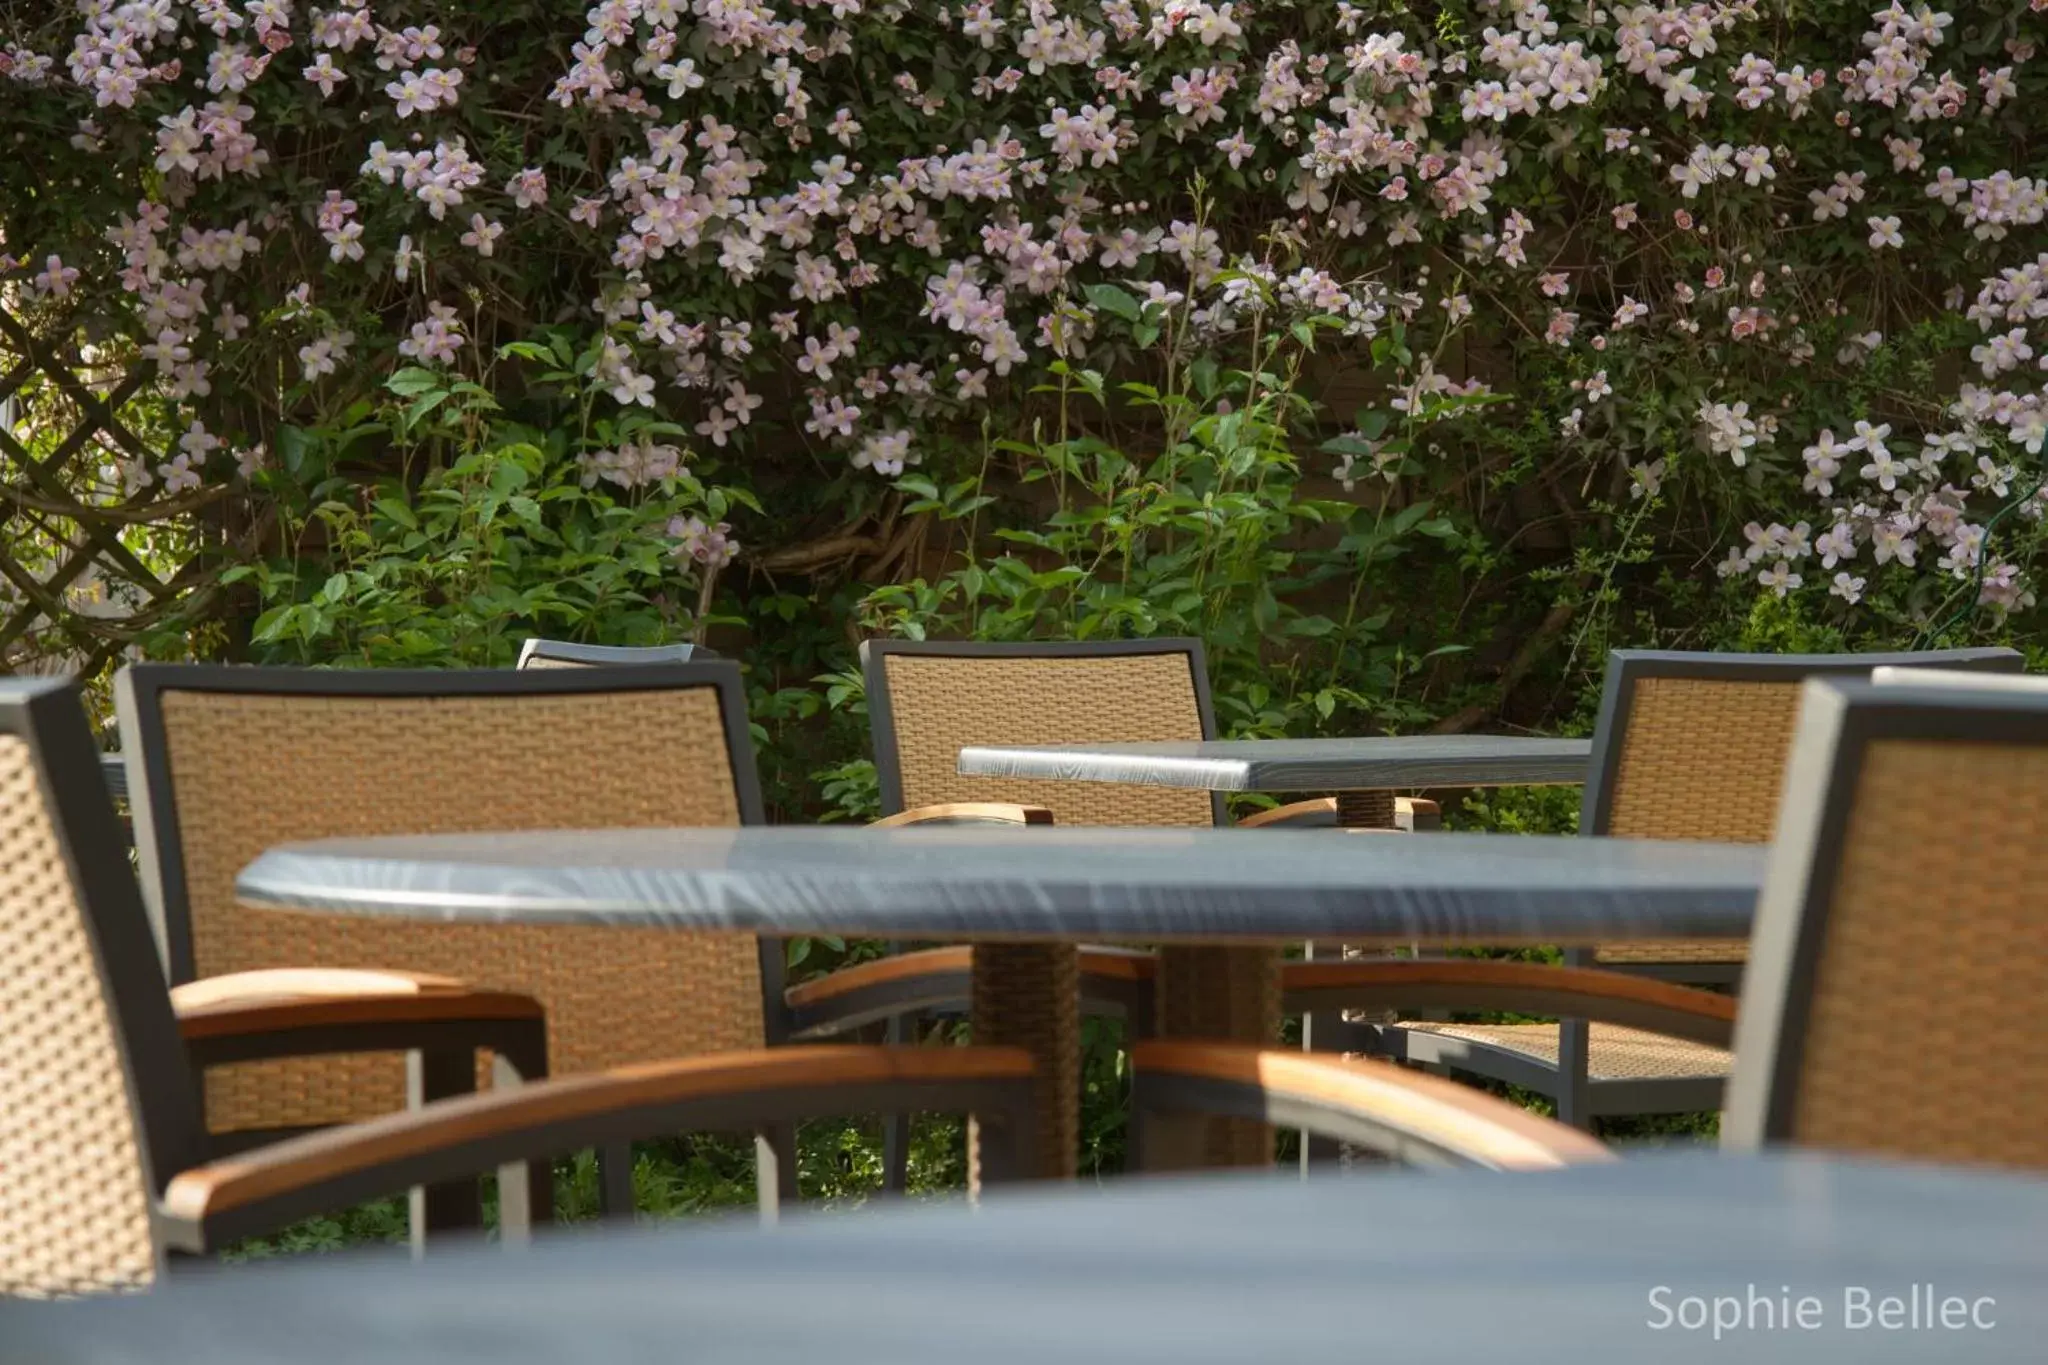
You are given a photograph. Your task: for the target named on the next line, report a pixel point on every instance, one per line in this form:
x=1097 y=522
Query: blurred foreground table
x=1219 y=901
x=1625 y=1263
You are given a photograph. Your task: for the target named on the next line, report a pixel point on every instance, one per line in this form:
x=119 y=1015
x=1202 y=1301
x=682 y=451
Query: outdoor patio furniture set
x=396 y=929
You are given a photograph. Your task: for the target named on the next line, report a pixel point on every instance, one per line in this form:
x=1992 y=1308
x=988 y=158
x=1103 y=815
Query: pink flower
x=435 y=341
x=710 y=546
x=529 y=188
x=55 y=279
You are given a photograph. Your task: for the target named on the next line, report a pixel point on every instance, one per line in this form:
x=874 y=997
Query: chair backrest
x=95 y=1089
x=539 y=653
x=1900 y=949
x=927 y=700
x=226 y=762
x=1693 y=746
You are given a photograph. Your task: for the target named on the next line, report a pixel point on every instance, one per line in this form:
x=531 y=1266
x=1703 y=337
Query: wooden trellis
x=80 y=595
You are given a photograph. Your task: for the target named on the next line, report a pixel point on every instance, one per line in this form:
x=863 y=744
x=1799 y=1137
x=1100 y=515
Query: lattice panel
x=72 y=594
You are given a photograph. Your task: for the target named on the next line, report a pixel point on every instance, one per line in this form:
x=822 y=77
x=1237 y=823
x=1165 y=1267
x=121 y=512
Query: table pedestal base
x=1225 y=994
x=1028 y=995
x=1365 y=810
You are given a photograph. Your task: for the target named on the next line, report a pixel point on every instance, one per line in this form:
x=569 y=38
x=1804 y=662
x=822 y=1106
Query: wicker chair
x=109 y=1163
x=1688 y=746
x=927 y=700
x=226 y=762
x=1899 y=944
x=1894 y=949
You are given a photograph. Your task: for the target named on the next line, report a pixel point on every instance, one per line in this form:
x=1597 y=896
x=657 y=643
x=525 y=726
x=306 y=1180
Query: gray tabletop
x=967 y=882
x=1598 y=1264
x=1297 y=765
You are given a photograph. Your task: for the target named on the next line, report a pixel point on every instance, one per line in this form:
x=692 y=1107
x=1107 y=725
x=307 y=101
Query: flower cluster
x=1716 y=229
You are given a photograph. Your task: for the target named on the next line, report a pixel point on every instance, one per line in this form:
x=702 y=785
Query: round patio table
x=1364 y=772
x=1600 y=1265
x=1218 y=901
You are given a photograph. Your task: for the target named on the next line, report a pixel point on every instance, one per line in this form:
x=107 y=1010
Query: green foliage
x=1209 y=529
x=493 y=533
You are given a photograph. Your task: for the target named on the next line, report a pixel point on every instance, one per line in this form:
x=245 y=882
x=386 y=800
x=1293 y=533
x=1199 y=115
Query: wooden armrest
x=291 y=998
x=1320 y=813
x=967 y=813
x=300 y=1012
x=1406 y=1114
x=1410 y=813
x=1113 y=981
x=1491 y=985
x=298 y=983
x=337 y=1167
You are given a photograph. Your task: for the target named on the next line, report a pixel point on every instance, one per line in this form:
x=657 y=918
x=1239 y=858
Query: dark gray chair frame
x=569 y=652
x=163 y=1081
x=1579 y=1097
x=1839 y=723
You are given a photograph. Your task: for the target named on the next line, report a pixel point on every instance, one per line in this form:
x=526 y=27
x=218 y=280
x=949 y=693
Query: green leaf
x=422 y=406
x=1114 y=301
x=412 y=380
x=294 y=445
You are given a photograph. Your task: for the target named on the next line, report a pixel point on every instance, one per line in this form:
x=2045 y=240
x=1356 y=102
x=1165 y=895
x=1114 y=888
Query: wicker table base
x=1365 y=809
x=1228 y=993
x=1028 y=995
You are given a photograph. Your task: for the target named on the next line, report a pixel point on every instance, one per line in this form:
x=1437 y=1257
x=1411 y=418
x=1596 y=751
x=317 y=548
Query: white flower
x=1779 y=578
x=1884 y=232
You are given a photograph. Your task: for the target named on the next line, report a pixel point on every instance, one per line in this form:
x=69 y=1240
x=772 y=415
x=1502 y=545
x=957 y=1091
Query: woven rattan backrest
x=1693 y=746
x=928 y=701
x=253 y=758
x=1901 y=947
x=80 y=992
